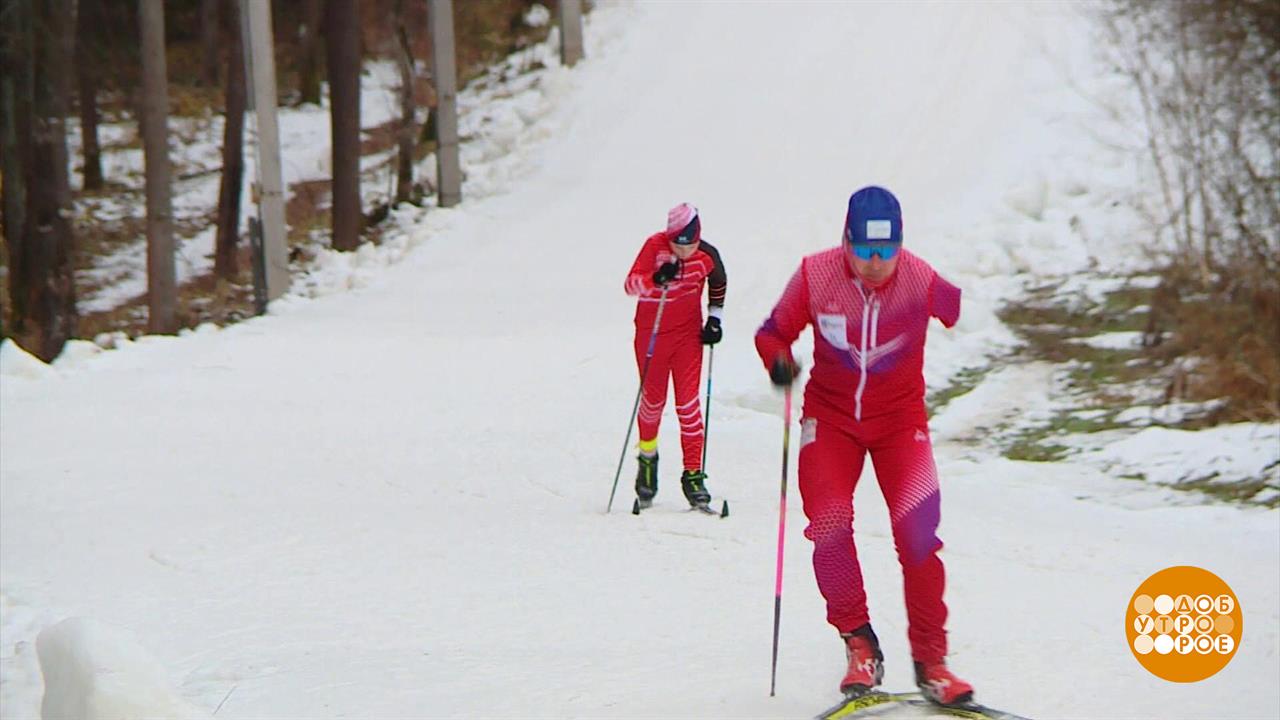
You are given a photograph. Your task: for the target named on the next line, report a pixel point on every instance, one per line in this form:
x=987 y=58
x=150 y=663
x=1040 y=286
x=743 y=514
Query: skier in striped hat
x=670 y=271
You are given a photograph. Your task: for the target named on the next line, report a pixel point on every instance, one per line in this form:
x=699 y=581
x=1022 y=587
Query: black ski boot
x=694 y=484
x=647 y=479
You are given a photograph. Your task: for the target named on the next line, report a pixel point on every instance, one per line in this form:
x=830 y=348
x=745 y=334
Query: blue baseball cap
x=874 y=216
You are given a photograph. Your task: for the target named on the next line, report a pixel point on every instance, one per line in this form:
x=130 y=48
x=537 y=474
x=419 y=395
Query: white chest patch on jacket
x=835 y=329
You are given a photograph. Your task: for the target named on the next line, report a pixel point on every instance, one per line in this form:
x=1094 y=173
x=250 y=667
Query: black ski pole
x=644 y=372
x=706 y=425
x=706 y=414
x=782 y=534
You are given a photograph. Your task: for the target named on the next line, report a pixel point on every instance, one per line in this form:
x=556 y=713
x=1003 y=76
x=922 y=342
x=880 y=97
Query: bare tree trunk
x=224 y=256
x=209 y=42
x=342 y=35
x=41 y=269
x=17 y=65
x=13 y=189
x=161 y=283
x=310 y=51
x=17 y=68
x=404 y=161
x=55 y=43
x=89 y=25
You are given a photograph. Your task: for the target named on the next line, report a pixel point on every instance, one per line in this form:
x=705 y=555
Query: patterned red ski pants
x=676 y=356
x=831 y=459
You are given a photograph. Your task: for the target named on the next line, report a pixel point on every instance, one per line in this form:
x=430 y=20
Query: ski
x=876 y=704
x=704 y=508
x=862 y=705
x=969 y=710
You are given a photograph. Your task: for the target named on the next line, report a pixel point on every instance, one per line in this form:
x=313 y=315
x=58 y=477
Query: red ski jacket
x=868 y=344
x=683 y=311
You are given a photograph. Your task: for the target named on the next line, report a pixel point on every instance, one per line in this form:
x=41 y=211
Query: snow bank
x=1223 y=454
x=95 y=671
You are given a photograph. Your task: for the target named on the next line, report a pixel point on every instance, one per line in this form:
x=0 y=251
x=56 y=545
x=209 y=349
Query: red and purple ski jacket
x=868 y=354
x=683 y=311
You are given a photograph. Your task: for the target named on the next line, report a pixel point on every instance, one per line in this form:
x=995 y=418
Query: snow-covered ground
x=385 y=498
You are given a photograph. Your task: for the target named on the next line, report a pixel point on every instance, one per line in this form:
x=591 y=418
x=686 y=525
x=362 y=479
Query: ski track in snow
x=385 y=498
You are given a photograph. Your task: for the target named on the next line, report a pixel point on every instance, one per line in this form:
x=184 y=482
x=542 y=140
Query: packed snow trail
x=388 y=502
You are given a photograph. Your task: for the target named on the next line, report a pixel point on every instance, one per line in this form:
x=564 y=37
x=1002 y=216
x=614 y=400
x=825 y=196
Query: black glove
x=711 y=332
x=665 y=274
x=784 y=371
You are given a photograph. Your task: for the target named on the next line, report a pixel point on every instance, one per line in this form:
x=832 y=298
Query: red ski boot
x=866 y=662
x=938 y=684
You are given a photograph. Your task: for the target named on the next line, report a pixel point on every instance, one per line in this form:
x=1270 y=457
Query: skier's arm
x=944 y=300
x=785 y=323
x=640 y=278
x=717 y=281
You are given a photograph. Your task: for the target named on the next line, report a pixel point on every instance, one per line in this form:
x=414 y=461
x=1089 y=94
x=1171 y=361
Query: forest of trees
x=1207 y=74
x=71 y=65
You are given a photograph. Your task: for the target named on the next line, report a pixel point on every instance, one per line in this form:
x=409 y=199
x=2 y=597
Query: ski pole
x=782 y=534
x=706 y=415
x=644 y=372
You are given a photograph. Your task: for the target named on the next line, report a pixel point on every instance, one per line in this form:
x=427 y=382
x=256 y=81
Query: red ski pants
x=831 y=459
x=676 y=356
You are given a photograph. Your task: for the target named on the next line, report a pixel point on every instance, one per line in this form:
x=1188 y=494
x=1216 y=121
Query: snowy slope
x=388 y=502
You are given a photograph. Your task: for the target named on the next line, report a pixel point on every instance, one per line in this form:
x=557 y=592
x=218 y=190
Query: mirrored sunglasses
x=886 y=251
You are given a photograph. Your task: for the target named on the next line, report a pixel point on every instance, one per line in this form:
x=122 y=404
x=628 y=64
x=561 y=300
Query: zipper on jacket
x=870 y=319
